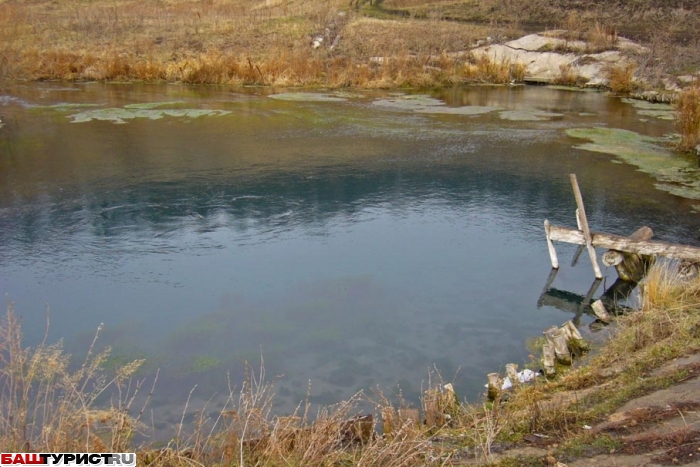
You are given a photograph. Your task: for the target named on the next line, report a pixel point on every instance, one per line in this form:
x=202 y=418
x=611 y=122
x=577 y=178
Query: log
x=549 y=334
x=613 y=258
x=495 y=384
x=631 y=266
x=600 y=311
x=571 y=331
x=617 y=242
x=550 y=246
x=583 y=220
x=561 y=347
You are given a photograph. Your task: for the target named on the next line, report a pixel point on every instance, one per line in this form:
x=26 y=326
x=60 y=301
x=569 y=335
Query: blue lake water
x=354 y=240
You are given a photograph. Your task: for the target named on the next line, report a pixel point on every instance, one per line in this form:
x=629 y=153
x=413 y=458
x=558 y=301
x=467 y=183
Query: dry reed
x=688 y=118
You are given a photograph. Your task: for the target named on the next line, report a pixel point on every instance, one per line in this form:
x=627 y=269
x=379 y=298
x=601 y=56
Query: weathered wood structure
x=630 y=255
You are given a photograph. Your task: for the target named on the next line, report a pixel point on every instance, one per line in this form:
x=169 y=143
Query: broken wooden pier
x=627 y=253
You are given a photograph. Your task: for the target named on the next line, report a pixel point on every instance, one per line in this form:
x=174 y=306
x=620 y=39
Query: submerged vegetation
x=50 y=402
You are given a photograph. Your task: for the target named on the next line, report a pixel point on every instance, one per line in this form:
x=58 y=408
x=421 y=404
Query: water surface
x=354 y=240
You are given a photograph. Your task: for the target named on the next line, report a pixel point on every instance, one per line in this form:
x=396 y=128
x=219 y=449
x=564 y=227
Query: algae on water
x=152 y=105
x=309 y=97
x=652 y=109
x=430 y=105
x=673 y=173
x=120 y=115
x=528 y=115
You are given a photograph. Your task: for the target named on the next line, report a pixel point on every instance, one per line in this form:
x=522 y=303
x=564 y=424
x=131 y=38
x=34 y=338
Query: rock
x=545 y=56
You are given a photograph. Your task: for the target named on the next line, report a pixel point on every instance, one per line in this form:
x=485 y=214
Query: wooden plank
x=550 y=246
x=581 y=217
x=620 y=243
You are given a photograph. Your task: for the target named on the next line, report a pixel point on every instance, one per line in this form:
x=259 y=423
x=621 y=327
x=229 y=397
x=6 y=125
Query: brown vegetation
x=415 y=43
x=688 y=118
x=227 y=42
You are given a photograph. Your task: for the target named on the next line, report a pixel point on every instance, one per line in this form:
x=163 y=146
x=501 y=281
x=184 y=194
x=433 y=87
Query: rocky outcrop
x=551 y=58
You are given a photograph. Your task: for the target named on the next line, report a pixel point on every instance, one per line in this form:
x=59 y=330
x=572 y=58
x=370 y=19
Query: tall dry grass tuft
x=669 y=319
x=567 y=76
x=621 y=79
x=688 y=118
x=499 y=71
x=47 y=406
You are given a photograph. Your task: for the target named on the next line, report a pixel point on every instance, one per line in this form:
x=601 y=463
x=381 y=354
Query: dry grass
x=47 y=406
x=666 y=326
x=621 y=79
x=567 y=76
x=688 y=118
x=226 y=42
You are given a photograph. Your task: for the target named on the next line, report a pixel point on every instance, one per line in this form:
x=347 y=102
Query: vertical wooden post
x=584 y=225
x=550 y=246
x=600 y=311
x=548 y=359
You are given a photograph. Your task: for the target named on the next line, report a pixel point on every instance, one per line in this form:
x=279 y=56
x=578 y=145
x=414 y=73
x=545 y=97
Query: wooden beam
x=620 y=243
x=583 y=220
x=550 y=246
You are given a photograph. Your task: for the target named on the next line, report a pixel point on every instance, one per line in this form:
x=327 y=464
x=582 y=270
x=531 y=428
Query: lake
x=353 y=239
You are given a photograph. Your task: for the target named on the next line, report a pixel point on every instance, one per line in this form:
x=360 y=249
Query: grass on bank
x=47 y=404
x=244 y=42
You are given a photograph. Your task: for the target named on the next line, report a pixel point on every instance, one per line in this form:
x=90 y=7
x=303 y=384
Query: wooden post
x=576 y=343
x=550 y=246
x=584 y=226
x=600 y=311
x=512 y=373
x=561 y=347
x=548 y=359
x=549 y=334
x=389 y=419
x=495 y=384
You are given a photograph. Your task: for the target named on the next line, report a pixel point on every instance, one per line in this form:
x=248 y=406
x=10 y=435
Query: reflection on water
x=350 y=244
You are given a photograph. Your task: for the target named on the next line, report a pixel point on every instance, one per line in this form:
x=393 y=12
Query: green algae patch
x=528 y=115
x=430 y=105
x=201 y=364
x=468 y=110
x=64 y=106
x=120 y=115
x=308 y=97
x=153 y=105
x=652 y=109
x=674 y=173
x=661 y=114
